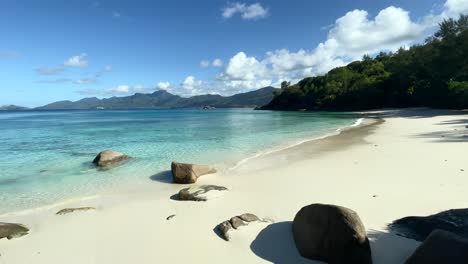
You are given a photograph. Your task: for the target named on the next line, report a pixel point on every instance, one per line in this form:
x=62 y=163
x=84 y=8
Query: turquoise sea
x=45 y=156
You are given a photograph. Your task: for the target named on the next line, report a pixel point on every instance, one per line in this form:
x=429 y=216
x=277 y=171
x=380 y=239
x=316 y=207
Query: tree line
x=433 y=74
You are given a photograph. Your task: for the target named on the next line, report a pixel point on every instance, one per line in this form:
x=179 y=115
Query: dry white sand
x=411 y=164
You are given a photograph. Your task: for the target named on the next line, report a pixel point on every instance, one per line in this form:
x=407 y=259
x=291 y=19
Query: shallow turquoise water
x=46 y=157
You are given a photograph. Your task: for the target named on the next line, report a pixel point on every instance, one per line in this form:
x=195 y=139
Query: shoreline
x=116 y=192
x=376 y=169
x=283 y=147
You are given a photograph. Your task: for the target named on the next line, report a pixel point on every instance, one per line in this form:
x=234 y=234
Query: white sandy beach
x=413 y=163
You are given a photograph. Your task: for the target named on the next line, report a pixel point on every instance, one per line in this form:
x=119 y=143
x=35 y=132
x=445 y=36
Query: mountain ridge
x=162 y=99
x=12 y=108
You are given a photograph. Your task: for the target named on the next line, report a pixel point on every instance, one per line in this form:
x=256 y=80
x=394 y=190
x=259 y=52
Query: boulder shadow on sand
x=275 y=243
x=163 y=176
x=389 y=248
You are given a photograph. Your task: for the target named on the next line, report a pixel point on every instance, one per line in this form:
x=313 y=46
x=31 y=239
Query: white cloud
x=217 y=63
x=163 y=85
x=119 y=90
x=351 y=36
x=255 y=11
x=190 y=86
x=55 y=81
x=190 y=83
x=90 y=80
x=108 y=68
x=232 y=9
x=248 y=12
x=243 y=68
x=240 y=86
x=355 y=34
x=77 y=61
x=116 y=14
x=204 y=64
x=453 y=8
x=49 y=71
x=283 y=62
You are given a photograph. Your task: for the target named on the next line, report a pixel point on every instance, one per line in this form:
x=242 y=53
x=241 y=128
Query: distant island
x=163 y=100
x=432 y=75
x=12 y=108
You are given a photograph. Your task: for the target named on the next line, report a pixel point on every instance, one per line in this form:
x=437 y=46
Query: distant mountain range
x=164 y=100
x=12 y=108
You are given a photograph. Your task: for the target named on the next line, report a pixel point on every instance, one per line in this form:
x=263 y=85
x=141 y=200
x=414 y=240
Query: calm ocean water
x=45 y=157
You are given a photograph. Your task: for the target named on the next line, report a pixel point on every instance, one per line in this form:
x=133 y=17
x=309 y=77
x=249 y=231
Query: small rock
x=236 y=222
x=10 y=230
x=374 y=195
x=249 y=217
x=201 y=193
x=71 y=210
x=225 y=228
x=185 y=173
x=462 y=170
x=170 y=217
x=108 y=158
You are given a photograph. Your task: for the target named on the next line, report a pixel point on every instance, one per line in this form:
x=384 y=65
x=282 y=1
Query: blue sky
x=55 y=50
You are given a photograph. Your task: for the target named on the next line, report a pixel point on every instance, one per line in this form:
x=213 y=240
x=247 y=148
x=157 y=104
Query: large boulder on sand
x=441 y=247
x=331 y=233
x=10 y=230
x=108 y=158
x=201 y=193
x=189 y=173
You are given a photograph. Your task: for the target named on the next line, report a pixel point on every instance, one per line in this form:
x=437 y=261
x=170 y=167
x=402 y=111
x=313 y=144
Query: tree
x=434 y=75
x=285 y=84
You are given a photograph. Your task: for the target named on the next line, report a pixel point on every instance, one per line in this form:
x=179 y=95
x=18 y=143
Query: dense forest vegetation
x=434 y=74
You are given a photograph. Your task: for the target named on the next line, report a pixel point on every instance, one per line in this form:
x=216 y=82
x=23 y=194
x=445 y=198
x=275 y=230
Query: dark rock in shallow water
x=331 y=233
x=71 y=210
x=109 y=158
x=419 y=227
x=185 y=173
x=10 y=230
x=441 y=247
x=201 y=193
